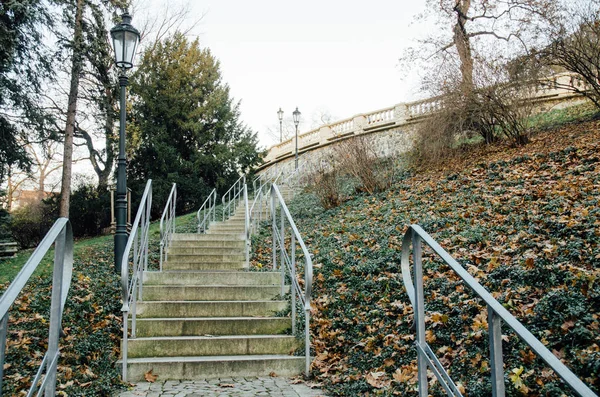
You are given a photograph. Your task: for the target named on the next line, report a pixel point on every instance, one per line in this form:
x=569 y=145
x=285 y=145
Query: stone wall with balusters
x=391 y=129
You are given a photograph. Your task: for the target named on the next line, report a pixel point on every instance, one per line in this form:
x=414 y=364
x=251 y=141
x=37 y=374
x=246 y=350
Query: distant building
x=23 y=198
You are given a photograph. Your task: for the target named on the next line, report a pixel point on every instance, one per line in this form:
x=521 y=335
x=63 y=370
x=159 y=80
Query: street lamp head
x=280 y=114
x=296 y=115
x=125 y=40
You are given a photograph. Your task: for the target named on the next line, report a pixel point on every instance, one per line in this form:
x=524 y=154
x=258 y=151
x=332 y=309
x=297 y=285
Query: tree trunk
x=65 y=191
x=463 y=45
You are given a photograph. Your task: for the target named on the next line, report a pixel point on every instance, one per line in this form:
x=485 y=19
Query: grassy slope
x=524 y=221
x=92 y=319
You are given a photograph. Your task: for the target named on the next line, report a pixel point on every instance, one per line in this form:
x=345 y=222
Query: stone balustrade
x=550 y=90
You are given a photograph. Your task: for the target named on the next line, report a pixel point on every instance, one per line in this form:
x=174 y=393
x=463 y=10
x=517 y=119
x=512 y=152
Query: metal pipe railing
x=207 y=214
x=167 y=225
x=61 y=235
x=247 y=233
x=231 y=198
x=136 y=254
x=415 y=235
x=287 y=263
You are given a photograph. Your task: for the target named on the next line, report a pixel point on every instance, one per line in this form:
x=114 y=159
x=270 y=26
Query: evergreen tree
x=185 y=126
x=23 y=67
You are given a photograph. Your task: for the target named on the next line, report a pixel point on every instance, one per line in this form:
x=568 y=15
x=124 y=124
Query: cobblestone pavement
x=234 y=387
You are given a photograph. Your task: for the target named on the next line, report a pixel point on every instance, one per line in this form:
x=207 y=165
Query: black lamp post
x=296 y=115
x=125 y=39
x=280 y=115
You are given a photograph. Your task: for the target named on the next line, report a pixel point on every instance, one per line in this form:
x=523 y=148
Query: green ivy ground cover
x=92 y=319
x=525 y=222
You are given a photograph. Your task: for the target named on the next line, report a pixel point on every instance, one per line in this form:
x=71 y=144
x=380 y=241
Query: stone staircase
x=205 y=315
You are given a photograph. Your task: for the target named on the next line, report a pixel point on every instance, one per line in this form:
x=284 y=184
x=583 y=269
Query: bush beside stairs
x=206 y=315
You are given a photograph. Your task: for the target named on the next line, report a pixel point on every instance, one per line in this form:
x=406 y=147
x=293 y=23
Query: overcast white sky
x=338 y=55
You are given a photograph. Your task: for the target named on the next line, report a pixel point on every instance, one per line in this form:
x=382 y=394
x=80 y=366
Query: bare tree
x=575 y=48
x=45 y=162
x=481 y=29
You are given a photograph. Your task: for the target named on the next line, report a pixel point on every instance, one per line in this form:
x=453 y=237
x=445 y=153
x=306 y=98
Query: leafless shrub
x=498 y=108
x=325 y=184
x=358 y=158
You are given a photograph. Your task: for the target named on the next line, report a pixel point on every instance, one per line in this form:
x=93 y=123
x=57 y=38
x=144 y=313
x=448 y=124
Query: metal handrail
x=138 y=240
x=496 y=314
x=61 y=235
x=259 y=198
x=208 y=209
x=287 y=262
x=232 y=196
x=167 y=225
x=247 y=235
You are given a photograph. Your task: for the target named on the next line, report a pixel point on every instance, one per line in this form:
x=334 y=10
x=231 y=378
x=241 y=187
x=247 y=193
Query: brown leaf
x=378 y=379
x=150 y=377
x=226 y=385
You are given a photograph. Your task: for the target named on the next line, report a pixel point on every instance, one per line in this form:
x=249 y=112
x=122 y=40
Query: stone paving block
x=241 y=387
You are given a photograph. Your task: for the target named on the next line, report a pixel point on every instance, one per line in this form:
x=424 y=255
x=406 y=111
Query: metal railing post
x=420 y=316
x=293 y=276
x=496 y=361
x=3 y=333
x=282 y=252
x=274 y=235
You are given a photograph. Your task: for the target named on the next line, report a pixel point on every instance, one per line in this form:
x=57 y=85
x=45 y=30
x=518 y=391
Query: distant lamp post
x=280 y=115
x=296 y=115
x=125 y=40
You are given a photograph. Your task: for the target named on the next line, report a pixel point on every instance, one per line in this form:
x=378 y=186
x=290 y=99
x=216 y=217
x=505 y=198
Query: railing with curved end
x=207 y=214
x=286 y=262
x=135 y=262
x=61 y=235
x=167 y=225
x=496 y=314
x=232 y=197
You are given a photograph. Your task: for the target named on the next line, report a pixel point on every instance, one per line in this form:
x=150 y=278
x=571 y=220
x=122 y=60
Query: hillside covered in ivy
x=524 y=221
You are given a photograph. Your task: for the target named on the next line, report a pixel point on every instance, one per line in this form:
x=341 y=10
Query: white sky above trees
x=324 y=56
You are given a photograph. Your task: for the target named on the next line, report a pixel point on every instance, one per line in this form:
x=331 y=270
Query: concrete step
x=178 y=309
x=181 y=237
x=227 y=234
x=234 y=229
x=227 y=266
x=210 y=293
x=231 y=345
x=148 y=327
x=237 y=243
x=211 y=278
x=207 y=250
x=205 y=258
x=214 y=367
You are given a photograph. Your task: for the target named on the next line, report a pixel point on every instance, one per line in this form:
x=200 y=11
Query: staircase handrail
x=138 y=240
x=496 y=314
x=61 y=235
x=208 y=209
x=232 y=196
x=288 y=262
x=247 y=234
x=294 y=174
x=259 y=198
x=167 y=225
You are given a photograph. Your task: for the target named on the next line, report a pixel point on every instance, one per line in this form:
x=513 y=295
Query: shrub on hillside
x=90 y=210
x=30 y=224
x=498 y=107
x=357 y=157
x=326 y=185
